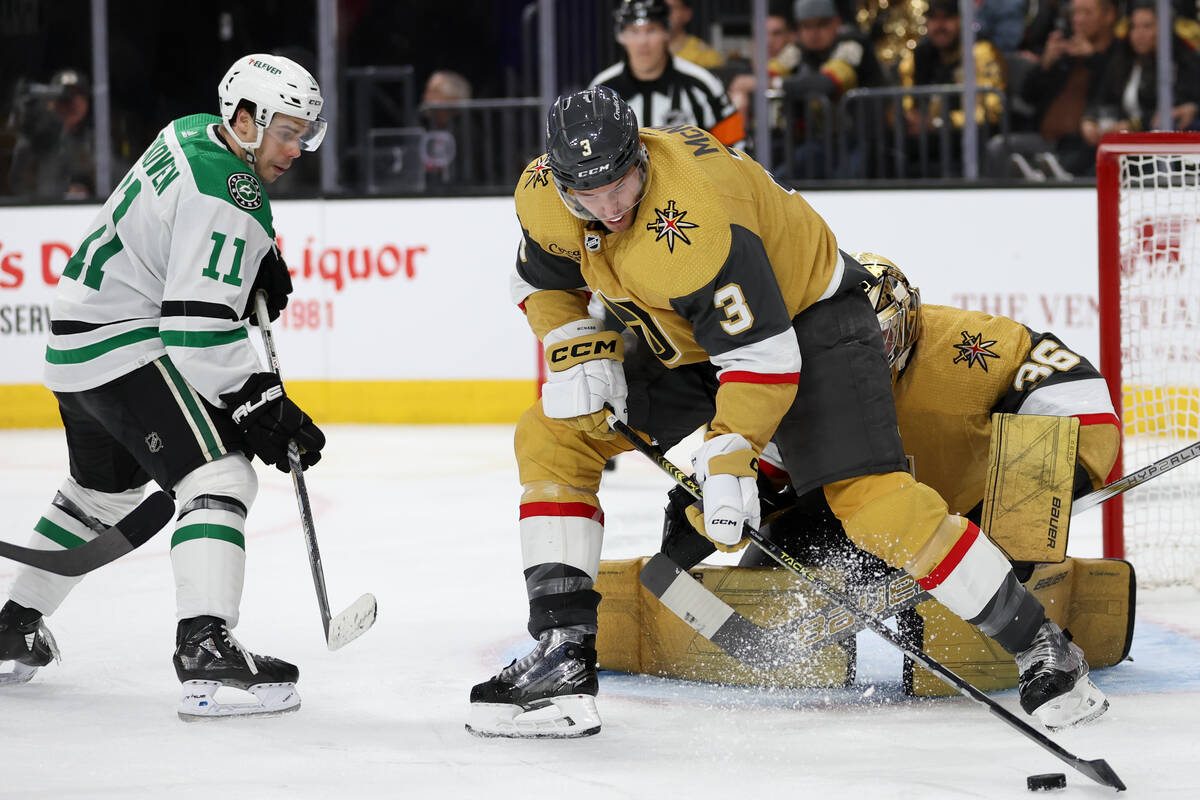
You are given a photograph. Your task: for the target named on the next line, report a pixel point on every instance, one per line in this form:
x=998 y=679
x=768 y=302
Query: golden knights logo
x=670 y=224
x=974 y=350
x=538 y=174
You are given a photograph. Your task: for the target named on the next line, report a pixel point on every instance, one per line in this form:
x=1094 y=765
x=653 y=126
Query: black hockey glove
x=274 y=279
x=269 y=420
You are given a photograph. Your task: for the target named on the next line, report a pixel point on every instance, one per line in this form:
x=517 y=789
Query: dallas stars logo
x=538 y=174
x=671 y=225
x=974 y=350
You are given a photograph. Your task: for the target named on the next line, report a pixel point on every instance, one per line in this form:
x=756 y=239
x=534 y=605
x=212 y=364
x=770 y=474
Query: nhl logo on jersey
x=592 y=242
x=245 y=191
x=154 y=442
x=670 y=223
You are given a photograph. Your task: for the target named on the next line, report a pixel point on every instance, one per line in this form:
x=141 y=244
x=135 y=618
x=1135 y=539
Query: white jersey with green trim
x=166 y=268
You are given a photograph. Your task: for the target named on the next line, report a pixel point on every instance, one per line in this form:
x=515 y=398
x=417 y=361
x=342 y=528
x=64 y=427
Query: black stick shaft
x=297 y=469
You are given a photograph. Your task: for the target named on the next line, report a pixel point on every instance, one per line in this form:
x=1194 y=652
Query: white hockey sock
x=77 y=515
x=208 y=548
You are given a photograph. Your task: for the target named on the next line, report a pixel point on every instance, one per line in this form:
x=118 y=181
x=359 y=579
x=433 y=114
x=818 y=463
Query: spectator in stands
x=783 y=56
x=834 y=58
x=1126 y=98
x=663 y=89
x=443 y=86
x=1063 y=83
x=53 y=158
x=937 y=59
x=686 y=45
x=448 y=133
x=1001 y=22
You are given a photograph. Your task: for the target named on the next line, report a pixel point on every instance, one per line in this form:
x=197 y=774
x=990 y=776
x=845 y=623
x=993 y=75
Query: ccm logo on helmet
x=582 y=350
x=592 y=171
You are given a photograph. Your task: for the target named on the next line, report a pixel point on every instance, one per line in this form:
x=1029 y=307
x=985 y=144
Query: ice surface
x=425 y=518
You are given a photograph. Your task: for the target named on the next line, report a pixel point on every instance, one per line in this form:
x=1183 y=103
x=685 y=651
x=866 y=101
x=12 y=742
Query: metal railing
x=866 y=136
x=464 y=147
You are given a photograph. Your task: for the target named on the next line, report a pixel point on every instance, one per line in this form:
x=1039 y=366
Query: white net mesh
x=1160 y=360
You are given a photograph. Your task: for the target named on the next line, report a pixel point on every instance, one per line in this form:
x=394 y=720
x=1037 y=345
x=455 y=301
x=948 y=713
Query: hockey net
x=1149 y=226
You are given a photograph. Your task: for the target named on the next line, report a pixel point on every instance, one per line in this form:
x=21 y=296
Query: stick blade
x=1099 y=771
x=353 y=622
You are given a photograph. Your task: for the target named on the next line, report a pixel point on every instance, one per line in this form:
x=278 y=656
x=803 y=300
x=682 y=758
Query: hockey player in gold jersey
x=969 y=366
x=750 y=322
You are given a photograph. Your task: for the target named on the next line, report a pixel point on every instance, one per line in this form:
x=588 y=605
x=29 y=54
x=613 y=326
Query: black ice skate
x=548 y=694
x=25 y=641
x=207 y=657
x=1055 y=686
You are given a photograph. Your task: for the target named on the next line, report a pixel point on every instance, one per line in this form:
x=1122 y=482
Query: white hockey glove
x=585 y=374
x=727 y=471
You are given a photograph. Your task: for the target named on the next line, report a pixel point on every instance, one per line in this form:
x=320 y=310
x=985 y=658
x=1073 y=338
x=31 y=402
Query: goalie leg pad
x=566 y=717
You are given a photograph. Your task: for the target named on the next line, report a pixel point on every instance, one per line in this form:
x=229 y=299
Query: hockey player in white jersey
x=156 y=378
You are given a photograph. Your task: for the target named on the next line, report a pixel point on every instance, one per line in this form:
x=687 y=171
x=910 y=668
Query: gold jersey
x=968 y=365
x=718 y=261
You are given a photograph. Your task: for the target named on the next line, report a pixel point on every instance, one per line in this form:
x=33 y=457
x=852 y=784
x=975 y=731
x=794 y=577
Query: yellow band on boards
x=433 y=402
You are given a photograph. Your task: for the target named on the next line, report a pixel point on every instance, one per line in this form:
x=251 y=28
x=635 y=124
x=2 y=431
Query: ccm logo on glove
x=248 y=407
x=598 y=348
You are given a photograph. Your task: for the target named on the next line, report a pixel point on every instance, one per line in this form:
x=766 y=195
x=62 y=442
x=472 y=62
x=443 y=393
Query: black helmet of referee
x=636 y=12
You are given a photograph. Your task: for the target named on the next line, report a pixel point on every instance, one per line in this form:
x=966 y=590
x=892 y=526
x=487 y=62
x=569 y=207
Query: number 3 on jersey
x=93 y=275
x=738 y=317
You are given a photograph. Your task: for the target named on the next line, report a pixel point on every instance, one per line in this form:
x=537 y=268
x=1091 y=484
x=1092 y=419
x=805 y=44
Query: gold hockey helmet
x=897 y=305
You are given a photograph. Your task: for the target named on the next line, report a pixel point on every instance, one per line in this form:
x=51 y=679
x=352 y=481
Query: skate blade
x=199 y=701
x=566 y=717
x=21 y=673
x=1083 y=704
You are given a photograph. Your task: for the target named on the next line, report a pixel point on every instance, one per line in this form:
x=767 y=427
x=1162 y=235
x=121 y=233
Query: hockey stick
x=360 y=616
x=771 y=648
x=1096 y=769
x=134 y=530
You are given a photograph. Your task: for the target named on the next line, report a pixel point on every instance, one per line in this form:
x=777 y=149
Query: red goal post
x=1148 y=191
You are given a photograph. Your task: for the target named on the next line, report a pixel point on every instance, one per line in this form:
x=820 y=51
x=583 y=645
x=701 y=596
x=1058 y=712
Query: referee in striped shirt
x=663 y=89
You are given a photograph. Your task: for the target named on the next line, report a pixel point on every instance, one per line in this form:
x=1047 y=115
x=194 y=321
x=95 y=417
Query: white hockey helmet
x=275 y=85
x=897 y=305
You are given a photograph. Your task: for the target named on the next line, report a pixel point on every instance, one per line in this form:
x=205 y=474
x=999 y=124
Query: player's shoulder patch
x=971 y=341
x=543 y=215
x=683 y=233
x=535 y=176
x=217 y=172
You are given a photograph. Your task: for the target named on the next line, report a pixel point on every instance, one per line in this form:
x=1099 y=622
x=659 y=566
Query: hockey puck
x=1046 y=782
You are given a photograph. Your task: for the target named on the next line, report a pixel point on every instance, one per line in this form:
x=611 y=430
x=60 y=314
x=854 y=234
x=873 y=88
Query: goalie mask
x=592 y=144
x=898 y=307
x=273 y=85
